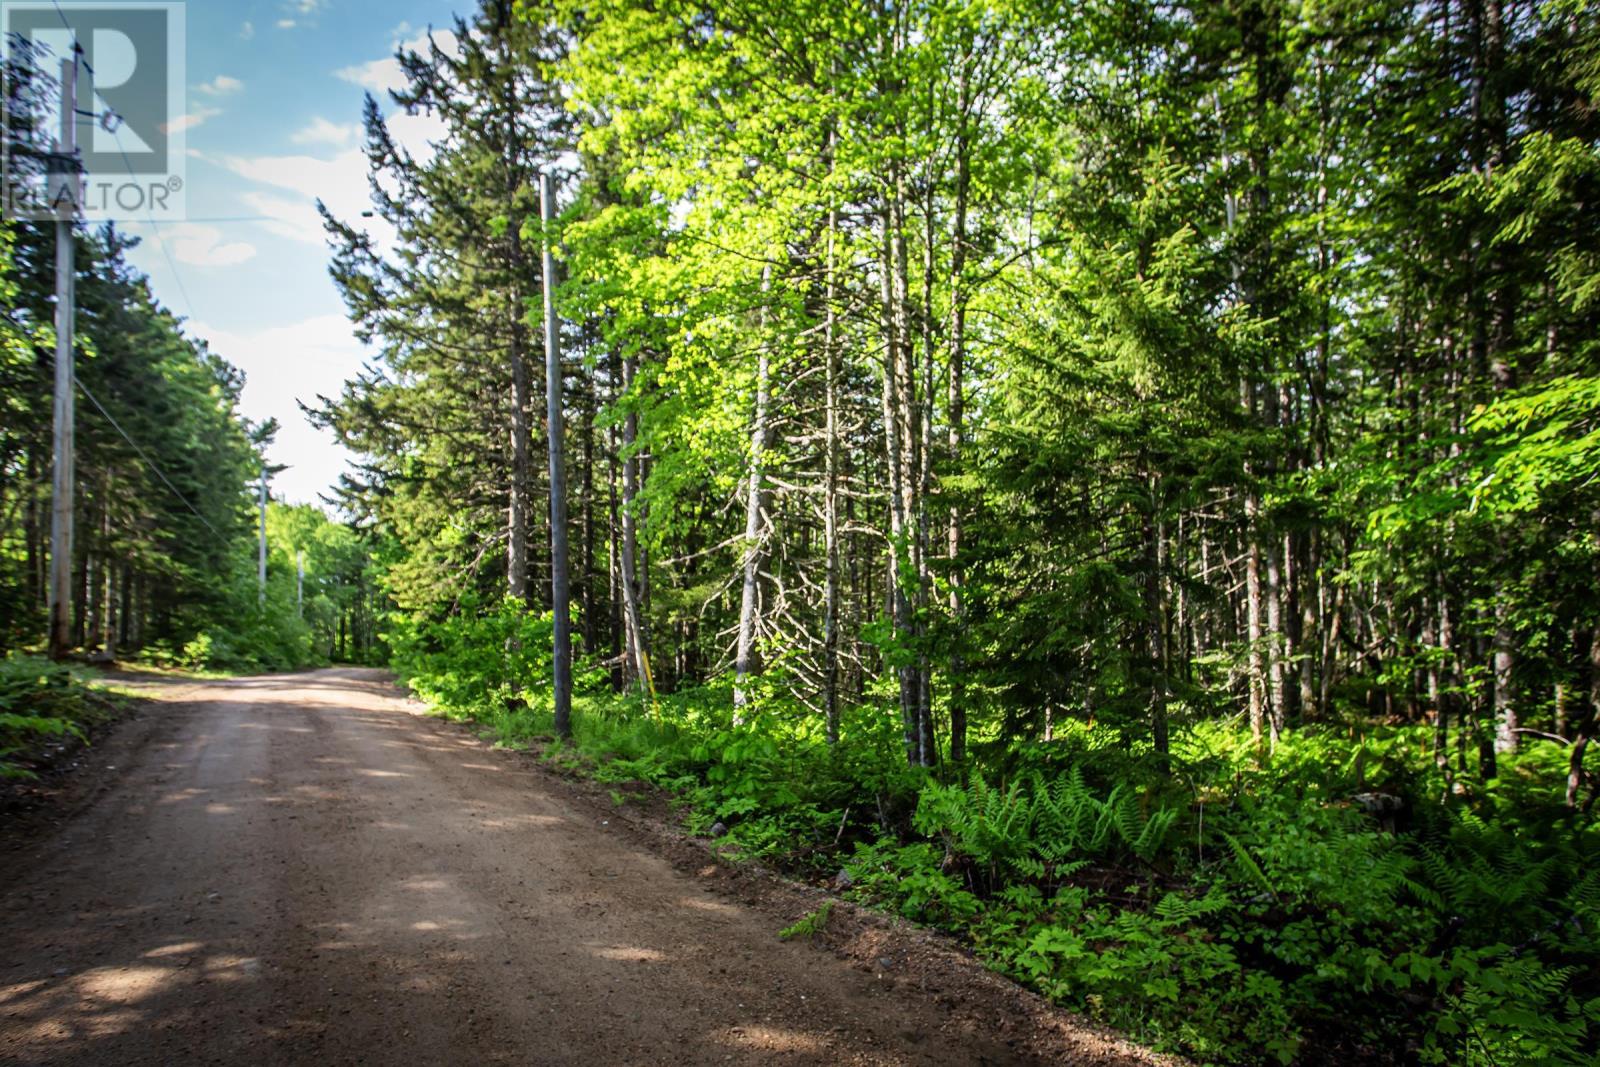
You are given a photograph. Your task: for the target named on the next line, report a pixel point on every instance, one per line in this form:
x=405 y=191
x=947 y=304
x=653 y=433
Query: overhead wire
x=146 y=457
x=155 y=229
x=79 y=56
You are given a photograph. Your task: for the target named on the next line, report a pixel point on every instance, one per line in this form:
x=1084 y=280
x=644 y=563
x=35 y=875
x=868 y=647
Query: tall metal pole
x=560 y=597
x=261 y=555
x=62 y=487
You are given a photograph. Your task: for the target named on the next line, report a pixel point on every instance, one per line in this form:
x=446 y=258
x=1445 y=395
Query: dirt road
x=303 y=869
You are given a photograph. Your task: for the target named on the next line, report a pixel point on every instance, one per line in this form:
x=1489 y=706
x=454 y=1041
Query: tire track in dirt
x=302 y=869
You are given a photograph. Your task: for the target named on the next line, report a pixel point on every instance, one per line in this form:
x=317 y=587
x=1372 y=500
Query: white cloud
x=321 y=131
x=221 y=85
x=300 y=13
x=340 y=182
x=203 y=246
x=292 y=184
x=296 y=219
x=247 y=31
x=286 y=364
x=379 y=76
x=194 y=118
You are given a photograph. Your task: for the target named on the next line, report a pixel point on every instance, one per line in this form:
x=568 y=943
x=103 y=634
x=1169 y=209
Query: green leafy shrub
x=40 y=701
x=1235 y=908
x=1037 y=825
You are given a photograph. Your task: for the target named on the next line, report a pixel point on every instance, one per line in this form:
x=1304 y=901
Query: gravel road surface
x=305 y=869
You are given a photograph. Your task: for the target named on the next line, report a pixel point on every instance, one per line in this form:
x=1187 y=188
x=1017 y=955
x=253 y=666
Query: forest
x=166 y=527
x=1114 y=482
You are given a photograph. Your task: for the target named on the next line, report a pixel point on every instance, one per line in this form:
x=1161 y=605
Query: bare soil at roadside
x=307 y=869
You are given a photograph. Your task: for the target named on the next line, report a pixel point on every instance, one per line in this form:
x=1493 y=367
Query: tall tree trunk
x=1590 y=720
x=1275 y=668
x=125 y=610
x=895 y=430
x=614 y=594
x=32 y=535
x=591 y=614
x=830 y=500
x=638 y=650
x=955 y=403
x=107 y=636
x=1154 y=622
x=1256 y=664
x=517 y=511
x=754 y=517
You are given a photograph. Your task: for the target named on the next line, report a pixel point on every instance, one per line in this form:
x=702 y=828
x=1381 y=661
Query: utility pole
x=261 y=555
x=64 y=195
x=559 y=593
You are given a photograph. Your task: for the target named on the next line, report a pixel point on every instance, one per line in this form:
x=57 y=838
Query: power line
x=78 y=53
x=155 y=227
x=232 y=218
x=148 y=461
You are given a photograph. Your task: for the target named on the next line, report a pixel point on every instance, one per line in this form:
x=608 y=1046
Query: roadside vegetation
x=1114 y=481
x=47 y=708
x=1338 y=901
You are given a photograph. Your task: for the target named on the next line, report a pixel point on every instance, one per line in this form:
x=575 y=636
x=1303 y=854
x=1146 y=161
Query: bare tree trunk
x=1505 y=709
x=591 y=617
x=755 y=508
x=32 y=535
x=614 y=594
x=517 y=512
x=108 y=593
x=1275 y=687
x=1576 y=775
x=1307 y=638
x=830 y=502
x=896 y=430
x=1257 y=668
x=125 y=611
x=638 y=651
x=555 y=404
x=94 y=563
x=1590 y=719
x=1155 y=633
x=955 y=402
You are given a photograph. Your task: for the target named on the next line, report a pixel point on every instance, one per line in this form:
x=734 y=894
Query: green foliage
x=1266 y=913
x=1124 y=371
x=1038 y=827
x=494 y=664
x=809 y=926
x=42 y=701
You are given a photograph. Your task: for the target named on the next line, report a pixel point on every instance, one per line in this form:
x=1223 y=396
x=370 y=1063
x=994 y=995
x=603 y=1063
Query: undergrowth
x=42 y=704
x=1238 y=909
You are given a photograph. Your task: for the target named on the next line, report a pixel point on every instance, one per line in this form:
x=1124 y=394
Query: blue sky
x=275 y=90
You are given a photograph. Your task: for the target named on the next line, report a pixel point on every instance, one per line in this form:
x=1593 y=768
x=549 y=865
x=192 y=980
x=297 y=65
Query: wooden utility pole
x=65 y=198
x=261 y=553
x=559 y=593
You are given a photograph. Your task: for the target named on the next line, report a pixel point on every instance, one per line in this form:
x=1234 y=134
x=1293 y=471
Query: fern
x=809 y=926
x=1248 y=863
x=1039 y=827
